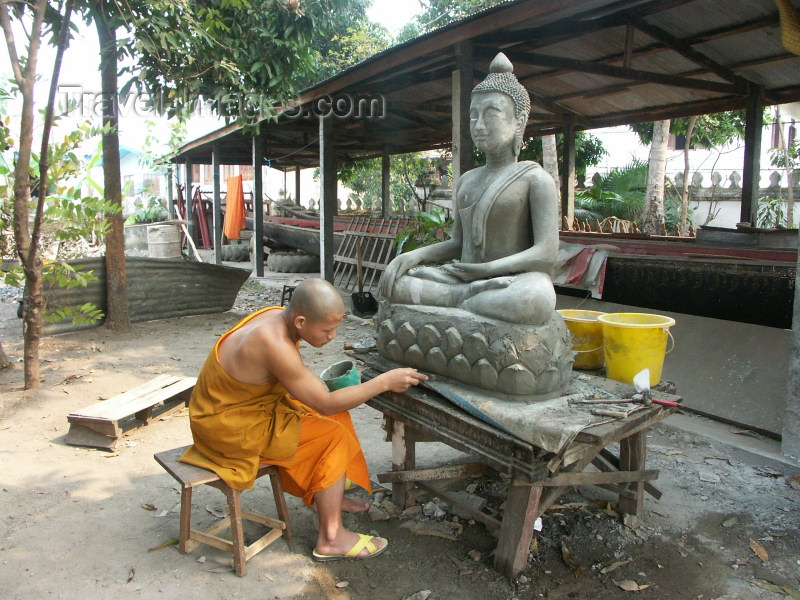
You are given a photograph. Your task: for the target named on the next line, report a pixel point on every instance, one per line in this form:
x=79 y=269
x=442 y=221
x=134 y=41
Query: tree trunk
x=117 y=313
x=685 y=196
x=25 y=77
x=550 y=159
x=653 y=220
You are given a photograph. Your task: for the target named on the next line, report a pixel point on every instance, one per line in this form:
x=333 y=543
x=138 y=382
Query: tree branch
x=63 y=36
x=5 y=21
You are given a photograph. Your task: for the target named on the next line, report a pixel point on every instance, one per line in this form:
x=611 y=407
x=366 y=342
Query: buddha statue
x=492 y=278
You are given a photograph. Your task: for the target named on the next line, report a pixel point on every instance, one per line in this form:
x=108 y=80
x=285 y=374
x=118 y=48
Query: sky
x=393 y=14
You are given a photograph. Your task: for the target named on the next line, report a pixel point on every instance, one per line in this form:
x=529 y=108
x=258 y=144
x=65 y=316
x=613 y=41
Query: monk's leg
x=333 y=538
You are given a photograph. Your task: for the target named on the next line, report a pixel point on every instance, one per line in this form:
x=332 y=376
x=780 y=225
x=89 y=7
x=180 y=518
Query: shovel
x=364 y=303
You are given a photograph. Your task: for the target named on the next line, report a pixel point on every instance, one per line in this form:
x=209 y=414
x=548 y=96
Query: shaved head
x=315 y=299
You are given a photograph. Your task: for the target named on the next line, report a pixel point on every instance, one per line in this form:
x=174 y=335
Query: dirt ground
x=79 y=523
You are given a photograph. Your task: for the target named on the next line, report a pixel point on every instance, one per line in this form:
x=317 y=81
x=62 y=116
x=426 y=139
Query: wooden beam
x=628 y=53
x=386 y=200
x=727 y=31
x=257 y=157
x=596 y=68
x=751 y=173
x=584 y=478
x=569 y=28
x=632 y=456
x=687 y=51
x=329 y=202
x=297 y=184
x=516 y=531
x=188 y=200
x=462 y=90
x=217 y=202
x=436 y=473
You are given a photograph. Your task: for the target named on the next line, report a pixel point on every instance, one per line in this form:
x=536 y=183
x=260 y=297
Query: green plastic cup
x=339 y=375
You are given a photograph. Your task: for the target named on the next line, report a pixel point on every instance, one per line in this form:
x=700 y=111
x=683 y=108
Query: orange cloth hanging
x=234 y=208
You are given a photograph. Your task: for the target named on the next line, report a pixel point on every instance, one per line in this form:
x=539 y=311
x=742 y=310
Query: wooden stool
x=190 y=476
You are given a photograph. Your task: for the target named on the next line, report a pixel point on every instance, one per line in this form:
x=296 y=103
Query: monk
x=256 y=402
x=505 y=233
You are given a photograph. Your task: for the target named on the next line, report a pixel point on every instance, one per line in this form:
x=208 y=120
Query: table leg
x=516 y=531
x=632 y=457
x=403 y=459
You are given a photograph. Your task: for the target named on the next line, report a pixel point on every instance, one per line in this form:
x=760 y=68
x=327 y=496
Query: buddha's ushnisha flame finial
x=501 y=79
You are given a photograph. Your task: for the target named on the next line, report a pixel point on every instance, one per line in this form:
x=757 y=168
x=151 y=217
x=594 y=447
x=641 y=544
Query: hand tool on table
x=641 y=381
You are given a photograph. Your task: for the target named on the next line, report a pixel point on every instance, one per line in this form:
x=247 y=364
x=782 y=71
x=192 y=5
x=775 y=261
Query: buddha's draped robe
x=236 y=426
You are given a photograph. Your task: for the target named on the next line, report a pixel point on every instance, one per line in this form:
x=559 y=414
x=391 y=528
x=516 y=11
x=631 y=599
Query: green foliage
x=244 y=57
x=85 y=314
x=438 y=13
x=777 y=158
x=69 y=212
x=710 y=131
x=620 y=193
x=426 y=229
x=158 y=161
x=770 y=212
x=150 y=211
x=405 y=172
x=588 y=151
x=356 y=43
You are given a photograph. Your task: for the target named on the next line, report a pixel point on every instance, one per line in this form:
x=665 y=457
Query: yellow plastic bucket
x=633 y=342
x=587 y=337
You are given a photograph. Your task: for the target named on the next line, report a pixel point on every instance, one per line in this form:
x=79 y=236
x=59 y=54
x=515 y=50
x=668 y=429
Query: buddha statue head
x=501 y=80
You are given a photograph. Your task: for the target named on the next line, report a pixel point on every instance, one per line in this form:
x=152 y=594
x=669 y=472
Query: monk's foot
x=348 y=544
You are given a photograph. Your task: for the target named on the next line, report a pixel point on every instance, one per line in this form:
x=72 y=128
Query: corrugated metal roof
x=686 y=57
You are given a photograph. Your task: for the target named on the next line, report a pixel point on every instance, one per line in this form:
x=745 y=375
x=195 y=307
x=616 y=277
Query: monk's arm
x=307 y=388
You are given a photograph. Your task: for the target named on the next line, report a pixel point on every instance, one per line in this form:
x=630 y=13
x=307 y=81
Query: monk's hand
x=395 y=269
x=467 y=271
x=399 y=380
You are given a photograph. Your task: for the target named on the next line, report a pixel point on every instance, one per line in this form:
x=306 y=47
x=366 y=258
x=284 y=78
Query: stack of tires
x=292 y=261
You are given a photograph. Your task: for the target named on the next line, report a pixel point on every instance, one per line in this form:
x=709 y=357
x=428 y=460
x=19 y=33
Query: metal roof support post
x=217 y=220
x=386 y=200
x=297 y=185
x=258 y=206
x=462 y=89
x=568 y=176
x=188 y=200
x=328 y=201
x=790 y=439
x=751 y=173
x=170 y=194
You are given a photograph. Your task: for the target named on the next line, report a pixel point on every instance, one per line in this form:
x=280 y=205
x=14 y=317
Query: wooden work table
x=538 y=478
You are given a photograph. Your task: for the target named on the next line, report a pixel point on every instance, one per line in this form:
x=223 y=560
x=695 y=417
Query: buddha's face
x=492 y=121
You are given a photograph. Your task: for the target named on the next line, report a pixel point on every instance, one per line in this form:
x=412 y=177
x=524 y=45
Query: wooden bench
x=98 y=425
x=190 y=476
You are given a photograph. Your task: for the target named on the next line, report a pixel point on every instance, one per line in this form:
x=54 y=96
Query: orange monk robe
x=236 y=426
x=234 y=208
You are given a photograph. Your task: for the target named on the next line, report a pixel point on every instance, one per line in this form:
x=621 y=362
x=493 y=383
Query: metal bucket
x=164 y=241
